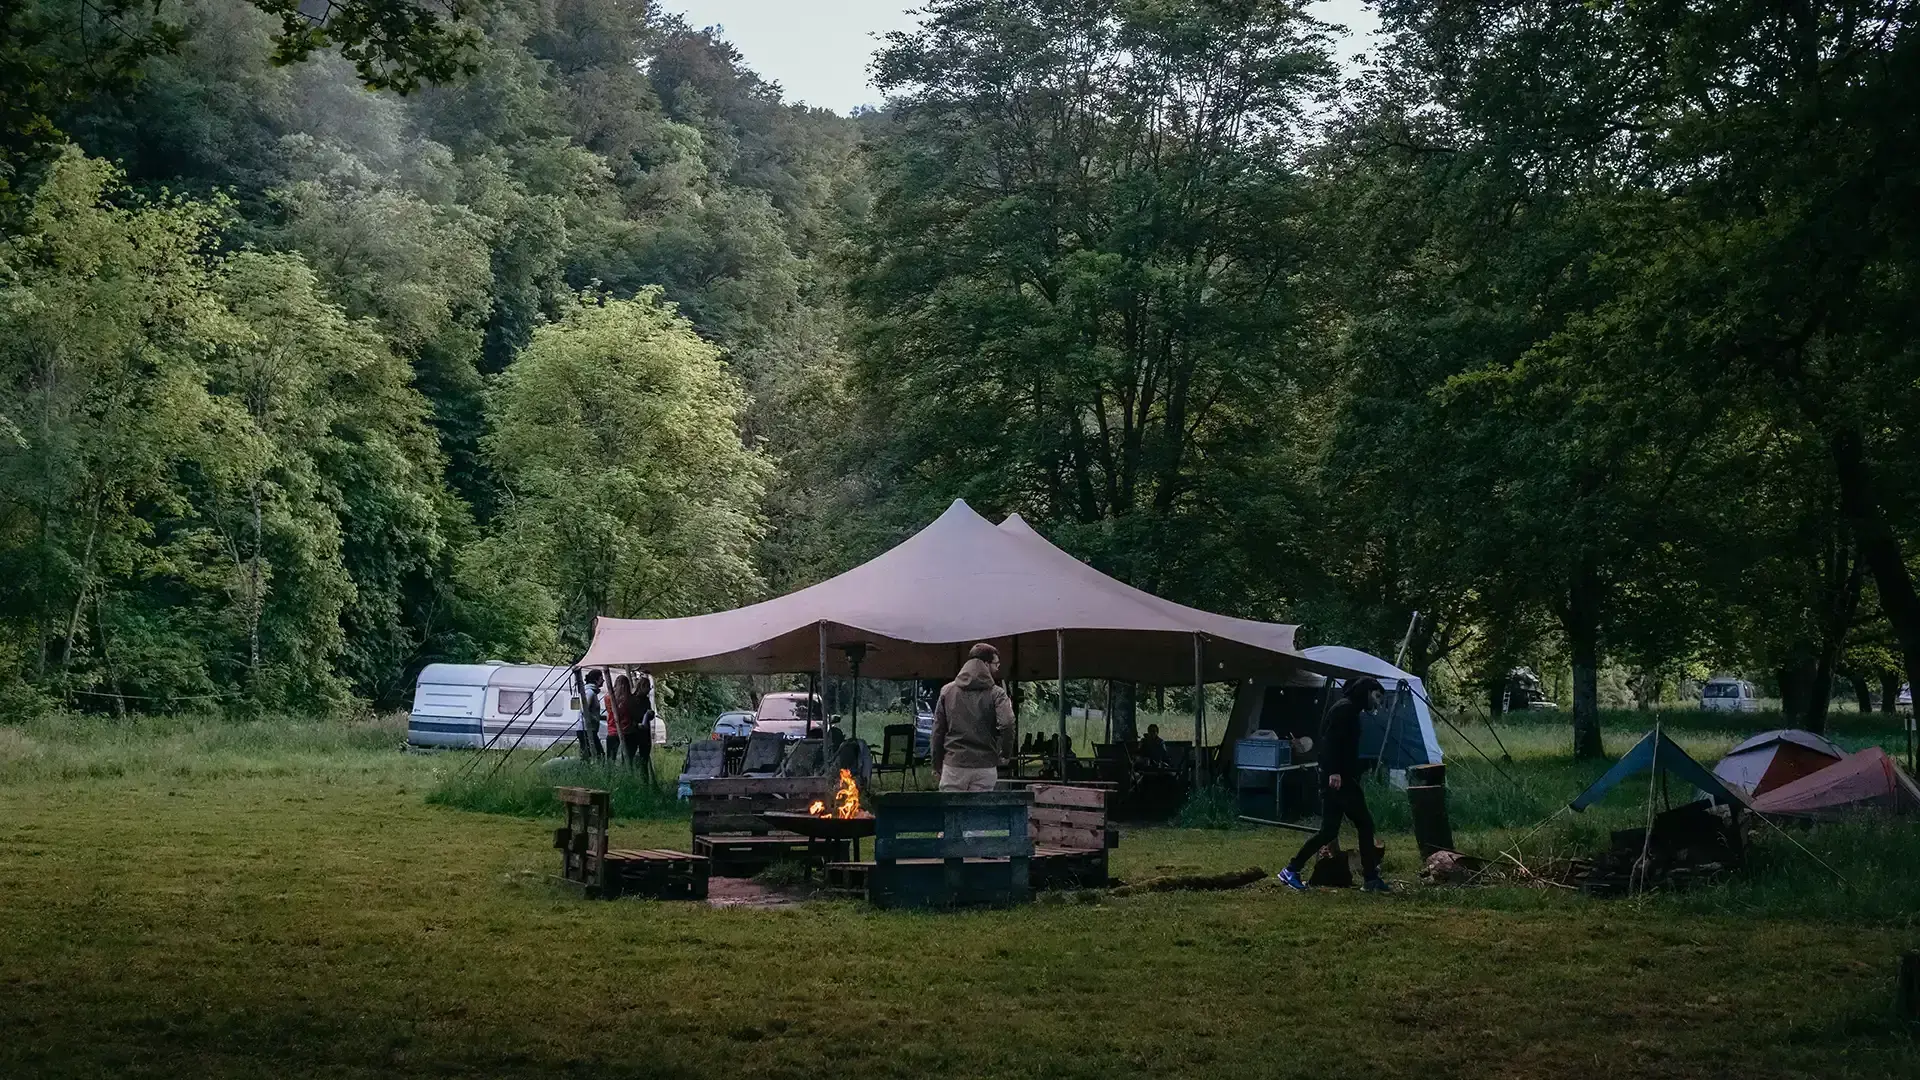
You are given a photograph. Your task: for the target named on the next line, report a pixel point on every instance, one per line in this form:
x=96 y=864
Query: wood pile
x=1691 y=845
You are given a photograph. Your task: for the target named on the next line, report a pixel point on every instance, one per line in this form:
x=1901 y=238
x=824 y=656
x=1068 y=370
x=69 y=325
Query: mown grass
x=292 y=905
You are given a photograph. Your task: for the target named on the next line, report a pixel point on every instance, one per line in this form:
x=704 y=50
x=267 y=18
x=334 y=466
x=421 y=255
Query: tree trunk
x=253 y=594
x=1497 y=699
x=1878 y=546
x=1582 y=626
x=1861 y=692
x=1123 y=695
x=1889 y=691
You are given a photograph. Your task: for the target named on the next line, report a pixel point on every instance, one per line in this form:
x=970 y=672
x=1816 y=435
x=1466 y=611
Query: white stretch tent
x=919 y=606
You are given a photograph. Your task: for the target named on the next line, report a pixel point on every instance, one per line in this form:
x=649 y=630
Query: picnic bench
x=729 y=830
x=590 y=867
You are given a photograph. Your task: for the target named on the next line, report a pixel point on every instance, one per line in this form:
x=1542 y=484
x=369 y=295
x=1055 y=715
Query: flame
x=846 y=800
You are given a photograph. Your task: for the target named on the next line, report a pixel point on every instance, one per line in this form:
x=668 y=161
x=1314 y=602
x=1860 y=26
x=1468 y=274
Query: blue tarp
x=1657 y=751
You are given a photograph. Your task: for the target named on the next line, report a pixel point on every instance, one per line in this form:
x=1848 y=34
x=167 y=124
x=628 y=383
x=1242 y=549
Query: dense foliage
x=1586 y=331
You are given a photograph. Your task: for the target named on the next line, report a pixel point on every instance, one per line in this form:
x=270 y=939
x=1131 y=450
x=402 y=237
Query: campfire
x=846 y=800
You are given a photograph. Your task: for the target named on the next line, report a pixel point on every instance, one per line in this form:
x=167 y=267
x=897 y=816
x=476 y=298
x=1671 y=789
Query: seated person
x=1153 y=749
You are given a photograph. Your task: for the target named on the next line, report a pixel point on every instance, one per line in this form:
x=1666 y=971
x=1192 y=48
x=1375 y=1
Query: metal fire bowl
x=821 y=828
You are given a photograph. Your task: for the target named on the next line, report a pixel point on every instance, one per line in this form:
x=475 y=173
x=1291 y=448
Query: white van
x=470 y=704
x=1728 y=695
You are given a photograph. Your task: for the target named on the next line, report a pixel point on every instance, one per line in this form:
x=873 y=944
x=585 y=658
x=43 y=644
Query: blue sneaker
x=1374 y=884
x=1291 y=879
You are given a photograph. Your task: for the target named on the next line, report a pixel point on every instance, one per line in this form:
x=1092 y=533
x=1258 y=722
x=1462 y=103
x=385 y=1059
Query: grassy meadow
x=196 y=897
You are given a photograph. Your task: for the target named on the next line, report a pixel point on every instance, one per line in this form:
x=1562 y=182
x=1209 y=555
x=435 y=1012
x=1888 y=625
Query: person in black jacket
x=1340 y=793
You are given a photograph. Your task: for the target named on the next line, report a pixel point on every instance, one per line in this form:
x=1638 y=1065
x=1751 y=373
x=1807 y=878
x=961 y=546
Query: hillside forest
x=334 y=345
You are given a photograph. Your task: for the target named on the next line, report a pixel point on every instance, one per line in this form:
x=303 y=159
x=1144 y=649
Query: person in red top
x=622 y=724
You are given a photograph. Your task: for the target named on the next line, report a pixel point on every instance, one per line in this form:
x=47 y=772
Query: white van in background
x=470 y=704
x=1728 y=695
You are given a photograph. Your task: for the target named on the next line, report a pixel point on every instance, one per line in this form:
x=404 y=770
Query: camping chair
x=764 y=751
x=896 y=752
x=704 y=760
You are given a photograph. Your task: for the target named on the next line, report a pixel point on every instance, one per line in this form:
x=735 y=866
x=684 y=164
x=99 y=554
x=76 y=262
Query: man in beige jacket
x=972 y=725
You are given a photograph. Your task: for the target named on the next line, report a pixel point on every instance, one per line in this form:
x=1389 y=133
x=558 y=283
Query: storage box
x=1262 y=753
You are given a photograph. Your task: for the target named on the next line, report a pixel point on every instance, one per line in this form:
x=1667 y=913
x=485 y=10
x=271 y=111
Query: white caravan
x=471 y=704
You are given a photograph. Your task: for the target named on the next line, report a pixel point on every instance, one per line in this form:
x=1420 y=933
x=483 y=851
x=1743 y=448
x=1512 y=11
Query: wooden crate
x=582 y=841
x=940 y=849
x=658 y=874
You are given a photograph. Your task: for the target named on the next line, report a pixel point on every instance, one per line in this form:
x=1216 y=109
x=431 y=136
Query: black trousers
x=1349 y=801
x=590 y=747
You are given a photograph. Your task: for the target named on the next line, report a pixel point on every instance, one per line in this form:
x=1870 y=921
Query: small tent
x=1774 y=758
x=1398 y=734
x=1866 y=780
x=1656 y=751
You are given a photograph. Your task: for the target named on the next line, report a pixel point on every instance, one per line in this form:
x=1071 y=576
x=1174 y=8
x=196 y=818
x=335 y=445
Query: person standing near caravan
x=972 y=725
x=646 y=714
x=587 y=686
x=621 y=721
x=1340 y=791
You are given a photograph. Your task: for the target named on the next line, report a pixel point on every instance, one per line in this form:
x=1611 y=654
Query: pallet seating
x=940 y=849
x=728 y=828
x=591 y=869
x=1071 y=837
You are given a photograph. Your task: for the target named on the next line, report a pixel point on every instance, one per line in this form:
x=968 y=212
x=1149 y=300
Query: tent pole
x=822 y=626
x=1199 y=716
x=1015 y=695
x=1060 y=669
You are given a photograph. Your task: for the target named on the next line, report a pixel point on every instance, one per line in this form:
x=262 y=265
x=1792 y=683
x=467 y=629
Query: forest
x=334 y=346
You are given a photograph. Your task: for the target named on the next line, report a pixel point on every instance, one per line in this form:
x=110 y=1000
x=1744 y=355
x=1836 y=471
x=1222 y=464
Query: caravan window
x=515 y=702
x=553 y=704
x=1717 y=690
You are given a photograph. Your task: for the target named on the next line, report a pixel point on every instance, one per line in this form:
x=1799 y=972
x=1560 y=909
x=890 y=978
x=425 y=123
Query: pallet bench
x=936 y=849
x=1071 y=836
x=591 y=868
x=728 y=828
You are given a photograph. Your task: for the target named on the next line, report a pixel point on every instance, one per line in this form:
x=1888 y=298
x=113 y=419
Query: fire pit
x=843 y=820
x=822 y=828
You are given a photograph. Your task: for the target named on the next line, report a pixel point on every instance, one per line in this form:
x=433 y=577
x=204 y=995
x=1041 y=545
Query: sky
x=817 y=50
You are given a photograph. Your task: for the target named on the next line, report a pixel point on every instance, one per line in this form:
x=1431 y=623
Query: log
x=1195 y=882
x=1431 y=830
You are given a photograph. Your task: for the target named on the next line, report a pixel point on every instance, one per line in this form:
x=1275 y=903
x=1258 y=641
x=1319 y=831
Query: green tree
x=628 y=489
x=1078 y=276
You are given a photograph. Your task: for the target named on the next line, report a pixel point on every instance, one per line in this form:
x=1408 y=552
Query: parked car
x=1905 y=698
x=737 y=724
x=786 y=713
x=1728 y=695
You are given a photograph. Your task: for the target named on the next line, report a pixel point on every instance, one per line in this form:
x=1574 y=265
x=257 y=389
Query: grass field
x=200 y=898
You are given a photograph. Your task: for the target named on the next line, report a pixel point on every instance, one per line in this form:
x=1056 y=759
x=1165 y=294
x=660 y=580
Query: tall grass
x=62 y=747
x=523 y=785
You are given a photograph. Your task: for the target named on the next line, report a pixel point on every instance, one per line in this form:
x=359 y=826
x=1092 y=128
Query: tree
x=628 y=490
x=1078 y=274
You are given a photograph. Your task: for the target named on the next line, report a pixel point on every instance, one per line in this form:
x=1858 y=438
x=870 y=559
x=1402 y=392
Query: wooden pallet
x=658 y=874
x=939 y=849
x=1071 y=836
x=745 y=856
x=1049 y=868
x=582 y=841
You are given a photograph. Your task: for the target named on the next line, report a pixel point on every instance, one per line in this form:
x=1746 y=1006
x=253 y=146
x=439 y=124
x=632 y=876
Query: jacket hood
x=974 y=676
x=1358 y=689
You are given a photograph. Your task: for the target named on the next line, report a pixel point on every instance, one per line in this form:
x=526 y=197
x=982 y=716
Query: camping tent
x=1399 y=734
x=1656 y=751
x=917 y=607
x=1773 y=758
x=1868 y=779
